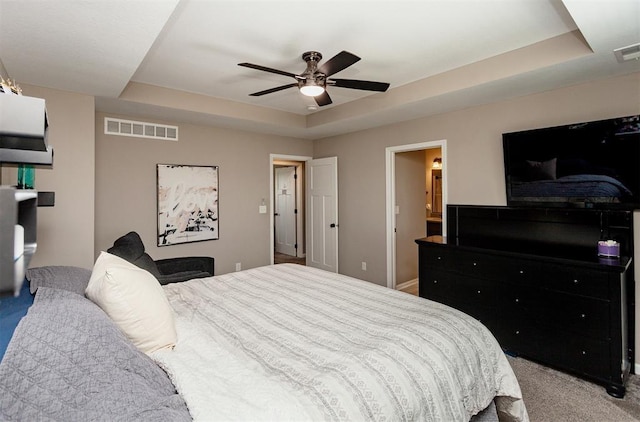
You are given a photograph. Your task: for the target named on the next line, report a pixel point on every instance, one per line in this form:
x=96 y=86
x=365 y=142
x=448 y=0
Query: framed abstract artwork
x=187 y=203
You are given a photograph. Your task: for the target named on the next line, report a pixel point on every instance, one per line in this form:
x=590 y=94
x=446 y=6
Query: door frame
x=390 y=201
x=299 y=200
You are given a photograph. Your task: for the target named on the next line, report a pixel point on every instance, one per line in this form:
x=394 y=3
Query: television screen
x=593 y=165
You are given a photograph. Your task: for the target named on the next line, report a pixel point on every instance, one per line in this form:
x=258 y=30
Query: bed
x=594 y=187
x=281 y=342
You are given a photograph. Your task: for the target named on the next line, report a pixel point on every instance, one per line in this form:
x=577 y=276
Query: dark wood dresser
x=534 y=278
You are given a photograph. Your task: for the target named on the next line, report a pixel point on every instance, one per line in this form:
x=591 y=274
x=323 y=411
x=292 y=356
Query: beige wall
x=126 y=188
x=475 y=169
x=65 y=231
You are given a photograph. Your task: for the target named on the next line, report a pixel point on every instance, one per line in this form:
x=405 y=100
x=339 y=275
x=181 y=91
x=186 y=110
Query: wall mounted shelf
x=23 y=131
x=23 y=140
x=17 y=207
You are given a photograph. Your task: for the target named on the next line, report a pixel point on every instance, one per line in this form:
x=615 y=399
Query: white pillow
x=134 y=300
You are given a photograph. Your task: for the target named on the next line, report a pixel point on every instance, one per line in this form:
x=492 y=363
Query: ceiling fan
x=314 y=80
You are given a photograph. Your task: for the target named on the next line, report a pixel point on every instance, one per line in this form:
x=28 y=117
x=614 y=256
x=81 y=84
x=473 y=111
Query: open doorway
x=287 y=181
x=433 y=188
x=415 y=203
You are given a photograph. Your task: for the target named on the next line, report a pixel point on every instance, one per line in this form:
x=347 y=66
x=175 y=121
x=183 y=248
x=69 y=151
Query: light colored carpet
x=553 y=396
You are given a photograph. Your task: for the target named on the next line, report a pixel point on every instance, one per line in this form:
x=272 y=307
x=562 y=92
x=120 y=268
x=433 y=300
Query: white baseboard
x=636 y=369
x=406 y=284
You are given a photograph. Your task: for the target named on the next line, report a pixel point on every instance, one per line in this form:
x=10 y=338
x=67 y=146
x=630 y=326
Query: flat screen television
x=587 y=165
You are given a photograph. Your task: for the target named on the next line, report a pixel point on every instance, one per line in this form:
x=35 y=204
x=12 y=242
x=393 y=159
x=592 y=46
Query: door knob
x=333 y=225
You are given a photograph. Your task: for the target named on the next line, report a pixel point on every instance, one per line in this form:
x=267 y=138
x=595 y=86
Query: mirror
x=436 y=192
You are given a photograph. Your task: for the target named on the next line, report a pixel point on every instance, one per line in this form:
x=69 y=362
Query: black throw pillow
x=130 y=248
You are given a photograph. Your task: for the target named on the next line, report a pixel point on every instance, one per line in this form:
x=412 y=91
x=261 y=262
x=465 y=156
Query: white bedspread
x=292 y=343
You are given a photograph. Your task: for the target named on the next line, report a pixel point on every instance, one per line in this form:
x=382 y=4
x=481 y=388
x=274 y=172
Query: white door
x=322 y=213
x=285 y=210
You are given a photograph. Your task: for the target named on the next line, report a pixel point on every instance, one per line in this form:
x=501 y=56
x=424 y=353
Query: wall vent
x=136 y=129
x=630 y=52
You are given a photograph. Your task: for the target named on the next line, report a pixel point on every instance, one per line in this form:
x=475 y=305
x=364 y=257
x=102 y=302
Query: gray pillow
x=73 y=279
x=67 y=361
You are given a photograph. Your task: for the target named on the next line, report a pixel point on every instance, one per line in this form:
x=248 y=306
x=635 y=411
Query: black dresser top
x=582 y=256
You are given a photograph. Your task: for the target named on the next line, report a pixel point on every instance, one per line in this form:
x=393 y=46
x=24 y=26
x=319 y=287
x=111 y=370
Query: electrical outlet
x=238 y=266
x=364 y=266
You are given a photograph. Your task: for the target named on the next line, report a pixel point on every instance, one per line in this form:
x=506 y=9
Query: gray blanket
x=67 y=361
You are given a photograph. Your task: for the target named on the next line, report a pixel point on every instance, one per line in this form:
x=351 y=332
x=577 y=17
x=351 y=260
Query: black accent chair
x=170 y=270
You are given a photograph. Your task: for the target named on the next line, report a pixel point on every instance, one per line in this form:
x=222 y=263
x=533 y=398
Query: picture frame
x=187 y=203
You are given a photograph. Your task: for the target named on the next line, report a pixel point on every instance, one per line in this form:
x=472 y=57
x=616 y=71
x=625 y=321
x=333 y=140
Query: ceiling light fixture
x=310 y=88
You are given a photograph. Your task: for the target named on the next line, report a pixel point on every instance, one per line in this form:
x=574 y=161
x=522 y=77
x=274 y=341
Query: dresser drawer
x=564 y=349
x=460 y=262
x=521 y=272
x=576 y=280
x=478 y=265
x=458 y=288
x=562 y=278
x=435 y=257
x=582 y=316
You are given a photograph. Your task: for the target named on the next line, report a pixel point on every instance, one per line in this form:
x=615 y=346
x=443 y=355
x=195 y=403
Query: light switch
x=262 y=209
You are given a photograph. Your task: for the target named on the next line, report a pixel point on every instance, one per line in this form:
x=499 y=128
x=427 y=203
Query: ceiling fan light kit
x=310 y=88
x=314 y=80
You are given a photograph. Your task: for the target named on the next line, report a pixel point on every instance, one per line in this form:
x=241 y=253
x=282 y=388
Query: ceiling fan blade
x=356 y=84
x=267 y=69
x=323 y=99
x=276 y=89
x=339 y=62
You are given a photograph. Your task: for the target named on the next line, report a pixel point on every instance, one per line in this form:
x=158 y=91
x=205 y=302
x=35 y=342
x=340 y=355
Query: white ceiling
x=434 y=53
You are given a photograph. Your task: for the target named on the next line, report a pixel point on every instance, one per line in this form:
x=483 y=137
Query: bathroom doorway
x=404 y=225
